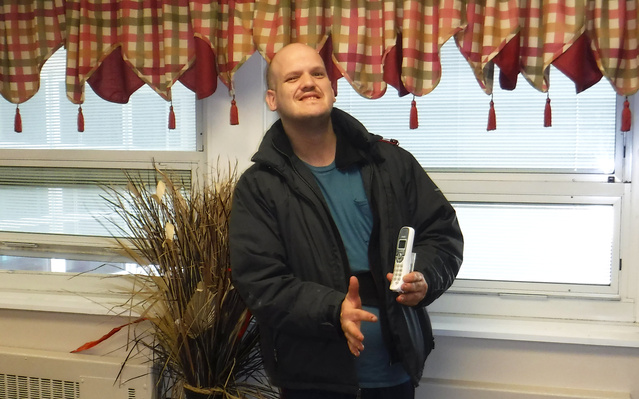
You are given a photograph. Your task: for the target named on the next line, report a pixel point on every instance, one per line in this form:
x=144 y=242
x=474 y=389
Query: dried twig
x=201 y=334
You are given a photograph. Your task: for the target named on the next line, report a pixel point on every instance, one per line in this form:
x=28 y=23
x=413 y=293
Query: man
x=314 y=227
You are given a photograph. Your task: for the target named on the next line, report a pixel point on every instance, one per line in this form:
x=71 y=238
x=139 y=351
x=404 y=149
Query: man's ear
x=270 y=100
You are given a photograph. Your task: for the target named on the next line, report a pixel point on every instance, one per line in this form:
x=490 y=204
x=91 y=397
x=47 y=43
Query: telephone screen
x=401 y=244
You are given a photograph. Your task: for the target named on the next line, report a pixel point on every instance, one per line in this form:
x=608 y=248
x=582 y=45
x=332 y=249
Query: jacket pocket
x=427 y=330
x=421 y=337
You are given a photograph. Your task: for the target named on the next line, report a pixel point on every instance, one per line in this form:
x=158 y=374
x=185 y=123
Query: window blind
x=66 y=200
x=452 y=131
x=49 y=119
x=537 y=243
x=52 y=176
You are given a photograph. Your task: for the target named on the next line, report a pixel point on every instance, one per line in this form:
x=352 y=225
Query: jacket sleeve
x=260 y=272
x=438 y=238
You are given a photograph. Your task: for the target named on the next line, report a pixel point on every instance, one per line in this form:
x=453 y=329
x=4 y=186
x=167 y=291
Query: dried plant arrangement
x=197 y=331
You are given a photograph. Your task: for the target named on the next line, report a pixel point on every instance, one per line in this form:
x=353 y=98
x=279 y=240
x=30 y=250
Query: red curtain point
x=626 y=116
x=414 y=121
x=171 y=118
x=235 y=120
x=80 y=120
x=547 y=114
x=17 y=123
x=492 y=118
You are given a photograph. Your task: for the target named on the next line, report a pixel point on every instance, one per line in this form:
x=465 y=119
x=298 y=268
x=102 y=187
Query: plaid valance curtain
x=118 y=45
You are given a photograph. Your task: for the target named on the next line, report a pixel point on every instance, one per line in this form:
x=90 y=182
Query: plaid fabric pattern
x=424 y=29
x=490 y=25
x=272 y=27
x=233 y=39
x=358 y=44
x=29 y=33
x=157 y=38
x=277 y=24
x=548 y=32
x=204 y=16
x=157 y=42
x=613 y=28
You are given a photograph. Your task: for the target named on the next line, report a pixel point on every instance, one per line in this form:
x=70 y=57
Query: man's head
x=298 y=86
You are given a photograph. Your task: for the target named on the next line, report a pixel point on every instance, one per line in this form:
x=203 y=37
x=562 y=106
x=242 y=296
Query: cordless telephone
x=404 y=257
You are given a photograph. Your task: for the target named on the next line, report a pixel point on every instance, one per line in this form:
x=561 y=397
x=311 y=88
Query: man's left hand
x=413 y=289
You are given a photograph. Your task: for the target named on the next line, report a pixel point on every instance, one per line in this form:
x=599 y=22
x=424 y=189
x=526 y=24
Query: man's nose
x=307 y=82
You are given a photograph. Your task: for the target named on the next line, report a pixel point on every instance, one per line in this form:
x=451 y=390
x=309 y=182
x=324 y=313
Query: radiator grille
x=24 y=387
x=38 y=374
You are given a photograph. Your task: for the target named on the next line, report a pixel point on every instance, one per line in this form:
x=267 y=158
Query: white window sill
x=537 y=330
x=82 y=304
x=64 y=292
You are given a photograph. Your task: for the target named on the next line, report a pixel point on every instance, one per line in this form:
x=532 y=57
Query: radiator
x=37 y=374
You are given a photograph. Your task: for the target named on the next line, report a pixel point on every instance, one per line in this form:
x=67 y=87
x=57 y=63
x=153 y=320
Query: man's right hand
x=351 y=317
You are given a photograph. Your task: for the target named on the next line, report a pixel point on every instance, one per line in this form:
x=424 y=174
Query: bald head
x=299 y=87
x=283 y=56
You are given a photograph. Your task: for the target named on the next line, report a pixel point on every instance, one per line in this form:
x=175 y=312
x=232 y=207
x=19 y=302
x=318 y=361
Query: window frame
x=100 y=159
x=90 y=293
x=520 y=301
x=549 y=300
x=116 y=160
x=586 y=195
x=70 y=292
x=99 y=294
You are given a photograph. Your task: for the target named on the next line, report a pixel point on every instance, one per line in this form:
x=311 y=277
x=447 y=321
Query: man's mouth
x=309 y=97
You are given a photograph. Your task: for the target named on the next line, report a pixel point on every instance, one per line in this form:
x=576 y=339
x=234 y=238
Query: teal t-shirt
x=347 y=201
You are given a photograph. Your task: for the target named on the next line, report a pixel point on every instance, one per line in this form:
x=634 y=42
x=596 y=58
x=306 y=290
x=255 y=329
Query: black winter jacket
x=290 y=266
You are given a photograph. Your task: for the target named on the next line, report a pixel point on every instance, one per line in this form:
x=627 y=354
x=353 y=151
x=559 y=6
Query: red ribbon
x=91 y=344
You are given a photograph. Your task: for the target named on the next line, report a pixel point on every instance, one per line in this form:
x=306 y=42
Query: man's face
x=299 y=86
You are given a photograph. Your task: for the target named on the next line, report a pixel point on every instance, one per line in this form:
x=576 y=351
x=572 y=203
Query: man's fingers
x=353 y=290
x=356 y=316
x=354 y=349
x=413 y=277
x=352 y=330
x=412 y=282
x=352 y=316
x=354 y=338
x=363 y=315
x=414 y=288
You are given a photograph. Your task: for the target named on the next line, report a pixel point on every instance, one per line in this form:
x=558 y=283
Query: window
x=452 y=135
x=540 y=208
x=52 y=214
x=575 y=241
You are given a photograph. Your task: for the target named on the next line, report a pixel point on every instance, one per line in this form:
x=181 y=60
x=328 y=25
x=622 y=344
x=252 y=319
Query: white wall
x=239 y=142
x=461 y=366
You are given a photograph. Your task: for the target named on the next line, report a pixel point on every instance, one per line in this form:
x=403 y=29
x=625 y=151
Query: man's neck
x=313 y=144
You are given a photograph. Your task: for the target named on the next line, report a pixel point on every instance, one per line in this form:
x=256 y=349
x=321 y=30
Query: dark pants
x=403 y=391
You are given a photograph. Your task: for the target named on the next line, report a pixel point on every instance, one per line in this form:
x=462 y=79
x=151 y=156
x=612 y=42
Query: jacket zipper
x=329 y=220
x=333 y=227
